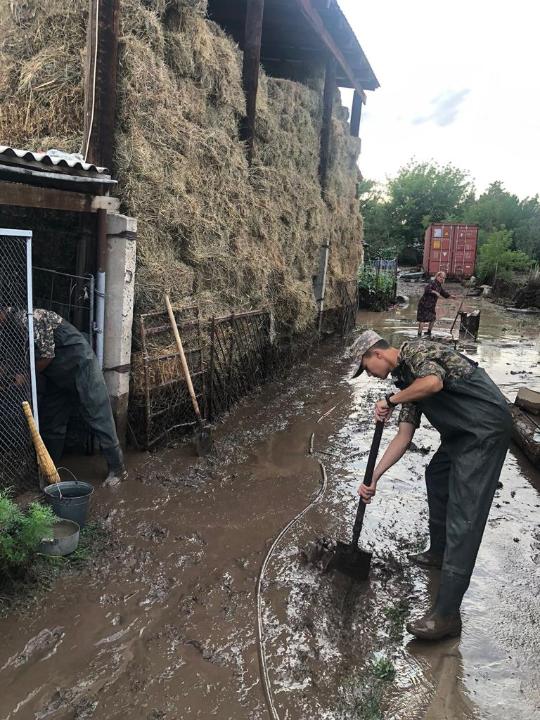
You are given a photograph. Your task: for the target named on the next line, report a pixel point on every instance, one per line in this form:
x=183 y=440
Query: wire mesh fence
x=18 y=470
x=227 y=357
x=70 y=296
x=377 y=283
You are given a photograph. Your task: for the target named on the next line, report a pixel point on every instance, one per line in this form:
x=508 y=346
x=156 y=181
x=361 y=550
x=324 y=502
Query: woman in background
x=427 y=304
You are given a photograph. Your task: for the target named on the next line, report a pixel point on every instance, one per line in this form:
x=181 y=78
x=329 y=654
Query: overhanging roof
x=299 y=32
x=53 y=169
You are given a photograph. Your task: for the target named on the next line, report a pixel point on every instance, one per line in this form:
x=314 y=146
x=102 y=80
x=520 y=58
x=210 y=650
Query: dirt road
x=163 y=625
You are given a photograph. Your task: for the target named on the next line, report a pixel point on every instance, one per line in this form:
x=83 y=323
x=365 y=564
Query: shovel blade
x=351 y=561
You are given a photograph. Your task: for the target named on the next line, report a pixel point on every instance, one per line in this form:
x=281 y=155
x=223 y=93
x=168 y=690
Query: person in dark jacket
x=72 y=377
x=427 y=304
x=460 y=400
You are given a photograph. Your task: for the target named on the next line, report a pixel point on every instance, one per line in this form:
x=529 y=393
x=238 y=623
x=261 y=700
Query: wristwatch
x=389 y=402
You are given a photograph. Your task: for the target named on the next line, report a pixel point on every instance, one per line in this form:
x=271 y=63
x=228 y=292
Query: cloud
x=445 y=108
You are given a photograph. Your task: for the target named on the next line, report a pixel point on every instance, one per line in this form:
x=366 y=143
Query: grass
x=396 y=616
x=383 y=669
x=365 y=701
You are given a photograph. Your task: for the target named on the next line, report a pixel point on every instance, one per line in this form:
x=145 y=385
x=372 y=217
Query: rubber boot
x=444 y=619
x=433 y=556
x=117 y=472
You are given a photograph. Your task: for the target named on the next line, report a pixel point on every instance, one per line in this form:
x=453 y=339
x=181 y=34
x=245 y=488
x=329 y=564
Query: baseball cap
x=362 y=344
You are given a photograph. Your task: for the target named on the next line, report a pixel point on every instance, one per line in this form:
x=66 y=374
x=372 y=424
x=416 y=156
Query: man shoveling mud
x=470 y=413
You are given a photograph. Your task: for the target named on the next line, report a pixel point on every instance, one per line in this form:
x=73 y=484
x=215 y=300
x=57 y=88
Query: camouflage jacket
x=420 y=358
x=45 y=323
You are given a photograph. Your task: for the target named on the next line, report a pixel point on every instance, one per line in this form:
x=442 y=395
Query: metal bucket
x=70 y=500
x=65 y=539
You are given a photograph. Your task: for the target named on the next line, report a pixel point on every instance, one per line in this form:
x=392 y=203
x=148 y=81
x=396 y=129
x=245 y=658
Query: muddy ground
x=162 y=625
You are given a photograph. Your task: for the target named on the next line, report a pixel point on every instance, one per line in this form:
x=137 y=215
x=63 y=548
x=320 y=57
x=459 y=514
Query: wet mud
x=163 y=623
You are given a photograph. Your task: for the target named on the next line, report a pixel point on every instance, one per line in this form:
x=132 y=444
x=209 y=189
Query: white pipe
x=100 y=316
x=30 y=315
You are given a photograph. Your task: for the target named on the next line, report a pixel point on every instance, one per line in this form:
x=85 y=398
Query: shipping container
x=450 y=247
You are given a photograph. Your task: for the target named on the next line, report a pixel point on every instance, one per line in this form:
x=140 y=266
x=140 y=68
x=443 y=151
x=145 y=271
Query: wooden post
x=250 y=72
x=326 y=131
x=100 y=81
x=356 y=114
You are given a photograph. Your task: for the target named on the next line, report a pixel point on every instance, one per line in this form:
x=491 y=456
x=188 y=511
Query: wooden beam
x=250 y=73
x=356 y=114
x=326 y=130
x=100 y=81
x=318 y=25
x=19 y=195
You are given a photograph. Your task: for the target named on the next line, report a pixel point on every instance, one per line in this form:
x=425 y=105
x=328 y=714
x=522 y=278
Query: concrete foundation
x=119 y=299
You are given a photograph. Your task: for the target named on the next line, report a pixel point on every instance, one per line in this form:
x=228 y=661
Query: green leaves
x=397 y=214
x=21 y=532
x=497 y=260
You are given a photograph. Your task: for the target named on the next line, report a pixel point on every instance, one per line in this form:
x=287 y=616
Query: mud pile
x=211 y=229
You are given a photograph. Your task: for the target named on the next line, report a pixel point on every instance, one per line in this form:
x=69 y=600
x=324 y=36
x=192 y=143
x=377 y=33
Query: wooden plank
x=46 y=198
x=326 y=130
x=20 y=195
x=356 y=114
x=100 y=81
x=318 y=25
x=526 y=434
x=250 y=73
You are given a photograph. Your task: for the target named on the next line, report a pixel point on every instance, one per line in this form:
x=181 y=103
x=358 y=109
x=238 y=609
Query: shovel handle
x=368 y=477
x=183 y=361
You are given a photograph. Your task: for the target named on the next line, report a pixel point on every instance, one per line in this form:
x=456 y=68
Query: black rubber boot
x=117 y=472
x=433 y=626
x=452 y=588
x=433 y=556
x=444 y=619
x=427 y=558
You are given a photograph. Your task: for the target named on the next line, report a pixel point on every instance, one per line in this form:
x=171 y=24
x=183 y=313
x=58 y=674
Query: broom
x=46 y=465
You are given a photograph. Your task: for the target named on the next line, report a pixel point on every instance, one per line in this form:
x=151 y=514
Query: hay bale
x=211 y=229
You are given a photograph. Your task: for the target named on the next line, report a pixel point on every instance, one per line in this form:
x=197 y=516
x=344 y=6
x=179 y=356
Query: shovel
x=348 y=558
x=203 y=439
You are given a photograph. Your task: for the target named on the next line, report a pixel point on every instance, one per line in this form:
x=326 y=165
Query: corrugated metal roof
x=53 y=158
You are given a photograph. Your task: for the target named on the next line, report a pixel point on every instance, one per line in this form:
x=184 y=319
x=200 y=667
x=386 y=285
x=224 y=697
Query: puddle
x=163 y=624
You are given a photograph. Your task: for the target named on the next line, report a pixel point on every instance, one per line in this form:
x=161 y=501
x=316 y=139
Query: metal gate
x=70 y=296
x=18 y=470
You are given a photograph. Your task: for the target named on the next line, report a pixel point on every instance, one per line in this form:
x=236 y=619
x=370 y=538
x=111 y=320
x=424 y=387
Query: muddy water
x=163 y=624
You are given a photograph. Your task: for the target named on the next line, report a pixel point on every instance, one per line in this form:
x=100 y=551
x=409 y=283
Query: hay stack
x=211 y=229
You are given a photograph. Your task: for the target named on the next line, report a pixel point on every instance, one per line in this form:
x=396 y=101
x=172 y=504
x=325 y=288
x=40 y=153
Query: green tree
x=395 y=217
x=497 y=209
x=496 y=259
x=423 y=193
x=377 y=227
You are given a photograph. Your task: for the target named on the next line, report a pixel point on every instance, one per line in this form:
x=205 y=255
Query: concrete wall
x=119 y=298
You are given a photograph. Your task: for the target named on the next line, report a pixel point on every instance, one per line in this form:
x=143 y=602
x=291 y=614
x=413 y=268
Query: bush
x=497 y=261
x=21 y=531
x=375 y=292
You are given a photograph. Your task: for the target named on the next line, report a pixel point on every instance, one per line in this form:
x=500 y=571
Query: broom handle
x=183 y=360
x=368 y=477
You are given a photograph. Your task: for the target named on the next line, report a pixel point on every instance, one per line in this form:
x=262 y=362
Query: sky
x=460 y=83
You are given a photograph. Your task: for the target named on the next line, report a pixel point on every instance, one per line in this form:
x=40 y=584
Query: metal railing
x=227 y=357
